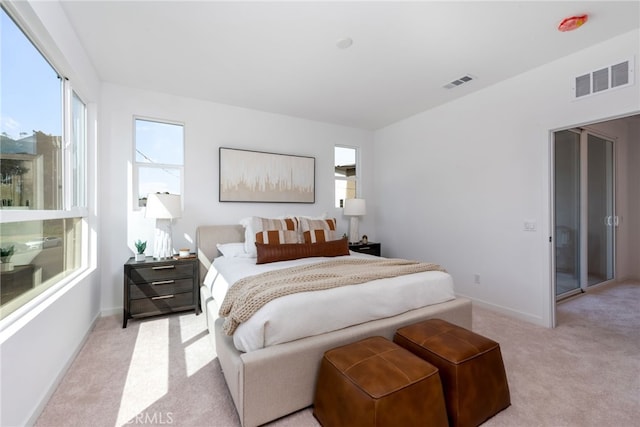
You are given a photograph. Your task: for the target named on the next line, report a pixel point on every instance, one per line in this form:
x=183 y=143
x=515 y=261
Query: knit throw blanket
x=248 y=295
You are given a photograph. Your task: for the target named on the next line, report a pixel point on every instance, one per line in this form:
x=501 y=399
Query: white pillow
x=232 y=250
x=249 y=235
x=323 y=215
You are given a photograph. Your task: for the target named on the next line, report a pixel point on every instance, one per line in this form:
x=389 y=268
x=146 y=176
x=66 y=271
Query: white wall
x=37 y=349
x=208 y=126
x=455 y=184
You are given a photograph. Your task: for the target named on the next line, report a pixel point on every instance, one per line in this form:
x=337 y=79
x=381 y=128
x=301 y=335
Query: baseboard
x=110 y=311
x=628 y=279
x=527 y=317
x=54 y=385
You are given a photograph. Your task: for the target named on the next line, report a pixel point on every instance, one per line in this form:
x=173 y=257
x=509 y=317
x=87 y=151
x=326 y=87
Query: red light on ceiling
x=571 y=23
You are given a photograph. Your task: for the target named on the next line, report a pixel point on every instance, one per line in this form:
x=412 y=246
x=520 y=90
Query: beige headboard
x=208 y=236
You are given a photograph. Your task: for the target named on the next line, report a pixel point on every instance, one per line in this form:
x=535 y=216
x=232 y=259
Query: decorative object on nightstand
x=140 y=247
x=164 y=207
x=153 y=287
x=354 y=208
x=366 y=248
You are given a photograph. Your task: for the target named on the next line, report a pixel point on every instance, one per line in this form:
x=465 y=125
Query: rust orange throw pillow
x=289 y=251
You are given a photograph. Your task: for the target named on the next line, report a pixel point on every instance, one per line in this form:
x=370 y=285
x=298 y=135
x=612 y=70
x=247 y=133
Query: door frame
x=552 y=207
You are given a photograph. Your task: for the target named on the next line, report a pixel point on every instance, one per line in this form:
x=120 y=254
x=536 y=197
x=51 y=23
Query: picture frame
x=262 y=177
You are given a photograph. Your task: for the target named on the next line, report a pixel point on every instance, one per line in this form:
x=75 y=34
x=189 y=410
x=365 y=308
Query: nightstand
x=160 y=286
x=366 y=248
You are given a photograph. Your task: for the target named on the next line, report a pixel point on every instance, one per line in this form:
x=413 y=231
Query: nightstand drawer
x=366 y=248
x=153 y=287
x=161 y=272
x=160 y=287
x=161 y=304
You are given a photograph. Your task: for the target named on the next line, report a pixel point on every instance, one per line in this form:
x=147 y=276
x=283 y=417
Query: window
x=159 y=159
x=42 y=172
x=78 y=151
x=346 y=177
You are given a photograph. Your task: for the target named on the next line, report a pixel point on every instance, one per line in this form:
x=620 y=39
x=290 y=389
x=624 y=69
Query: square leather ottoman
x=471 y=369
x=374 y=382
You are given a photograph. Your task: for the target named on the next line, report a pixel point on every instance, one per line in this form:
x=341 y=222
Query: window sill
x=30 y=310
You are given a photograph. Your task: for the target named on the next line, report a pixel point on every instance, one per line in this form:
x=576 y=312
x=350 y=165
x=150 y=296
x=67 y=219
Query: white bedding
x=311 y=313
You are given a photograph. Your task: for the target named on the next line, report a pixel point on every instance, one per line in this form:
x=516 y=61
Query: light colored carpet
x=163 y=371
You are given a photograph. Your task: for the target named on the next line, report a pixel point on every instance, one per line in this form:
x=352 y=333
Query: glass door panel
x=601 y=220
x=567 y=211
x=585 y=221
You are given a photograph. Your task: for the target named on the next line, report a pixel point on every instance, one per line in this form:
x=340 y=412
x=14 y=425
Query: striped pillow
x=277 y=237
x=261 y=224
x=318 y=230
x=255 y=225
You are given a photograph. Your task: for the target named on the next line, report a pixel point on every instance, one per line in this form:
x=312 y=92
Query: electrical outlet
x=476 y=279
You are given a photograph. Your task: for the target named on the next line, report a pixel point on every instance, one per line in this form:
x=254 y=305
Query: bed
x=277 y=380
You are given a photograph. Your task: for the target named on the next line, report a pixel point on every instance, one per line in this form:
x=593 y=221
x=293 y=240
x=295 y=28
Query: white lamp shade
x=355 y=207
x=163 y=206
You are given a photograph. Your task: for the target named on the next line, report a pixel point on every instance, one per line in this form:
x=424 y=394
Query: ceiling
x=282 y=57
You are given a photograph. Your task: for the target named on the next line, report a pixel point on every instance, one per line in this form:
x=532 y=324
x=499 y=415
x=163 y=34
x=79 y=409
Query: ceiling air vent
x=462 y=80
x=603 y=79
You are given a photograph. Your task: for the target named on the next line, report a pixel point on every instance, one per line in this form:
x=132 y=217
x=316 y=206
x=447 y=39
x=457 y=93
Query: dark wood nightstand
x=160 y=286
x=366 y=248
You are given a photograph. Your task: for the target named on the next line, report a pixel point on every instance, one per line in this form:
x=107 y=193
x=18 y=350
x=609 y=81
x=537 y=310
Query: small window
x=159 y=159
x=346 y=177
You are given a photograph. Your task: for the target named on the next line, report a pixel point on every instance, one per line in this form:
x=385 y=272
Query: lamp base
x=162 y=245
x=354 y=237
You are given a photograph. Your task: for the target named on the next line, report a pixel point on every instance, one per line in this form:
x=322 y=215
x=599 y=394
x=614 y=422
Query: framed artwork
x=256 y=176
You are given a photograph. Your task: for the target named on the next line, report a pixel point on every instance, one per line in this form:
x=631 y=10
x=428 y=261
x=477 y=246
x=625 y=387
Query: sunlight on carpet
x=147 y=377
x=197 y=350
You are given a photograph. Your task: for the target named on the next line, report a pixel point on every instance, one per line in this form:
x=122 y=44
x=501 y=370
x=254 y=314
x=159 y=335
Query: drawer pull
x=163 y=267
x=163 y=297
x=163 y=282
x=363 y=248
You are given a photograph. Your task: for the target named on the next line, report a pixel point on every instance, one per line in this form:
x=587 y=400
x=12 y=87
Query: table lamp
x=354 y=208
x=164 y=207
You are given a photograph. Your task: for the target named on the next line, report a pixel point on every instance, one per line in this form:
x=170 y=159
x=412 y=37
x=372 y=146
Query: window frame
x=66 y=209
x=355 y=178
x=135 y=174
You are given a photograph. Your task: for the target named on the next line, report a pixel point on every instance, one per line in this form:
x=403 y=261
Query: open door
x=585 y=221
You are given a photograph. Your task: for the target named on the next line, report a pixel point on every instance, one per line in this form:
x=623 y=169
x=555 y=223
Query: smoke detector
x=344 y=43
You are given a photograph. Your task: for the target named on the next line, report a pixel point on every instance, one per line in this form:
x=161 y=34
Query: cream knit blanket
x=248 y=295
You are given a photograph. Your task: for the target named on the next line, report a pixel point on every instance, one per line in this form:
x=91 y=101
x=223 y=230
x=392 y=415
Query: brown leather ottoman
x=471 y=369
x=374 y=382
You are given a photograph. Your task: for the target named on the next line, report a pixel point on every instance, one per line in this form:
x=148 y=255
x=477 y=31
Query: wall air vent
x=603 y=79
x=462 y=80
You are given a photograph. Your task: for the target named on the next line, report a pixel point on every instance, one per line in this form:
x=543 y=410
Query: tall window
x=346 y=177
x=159 y=154
x=42 y=172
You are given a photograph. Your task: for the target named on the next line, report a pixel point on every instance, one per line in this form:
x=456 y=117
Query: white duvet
x=305 y=314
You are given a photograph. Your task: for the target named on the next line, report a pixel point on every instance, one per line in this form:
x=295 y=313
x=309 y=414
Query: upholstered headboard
x=208 y=236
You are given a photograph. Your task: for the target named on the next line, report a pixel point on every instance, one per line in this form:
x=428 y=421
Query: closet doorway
x=584 y=210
